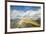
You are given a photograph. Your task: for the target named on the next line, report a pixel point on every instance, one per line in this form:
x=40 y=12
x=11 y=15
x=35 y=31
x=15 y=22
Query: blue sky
x=24 y=8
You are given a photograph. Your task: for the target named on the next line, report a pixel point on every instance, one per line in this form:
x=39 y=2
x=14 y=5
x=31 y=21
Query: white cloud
x=16 y=13
x=33 y=14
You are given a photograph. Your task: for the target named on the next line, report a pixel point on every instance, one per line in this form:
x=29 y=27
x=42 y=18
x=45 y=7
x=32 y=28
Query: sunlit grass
x=25 y=22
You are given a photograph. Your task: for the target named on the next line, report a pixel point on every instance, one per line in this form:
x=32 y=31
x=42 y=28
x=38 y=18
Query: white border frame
x=23 y=29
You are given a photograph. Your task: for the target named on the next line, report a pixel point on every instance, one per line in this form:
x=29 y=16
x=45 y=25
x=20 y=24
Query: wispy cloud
x=20 y=14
